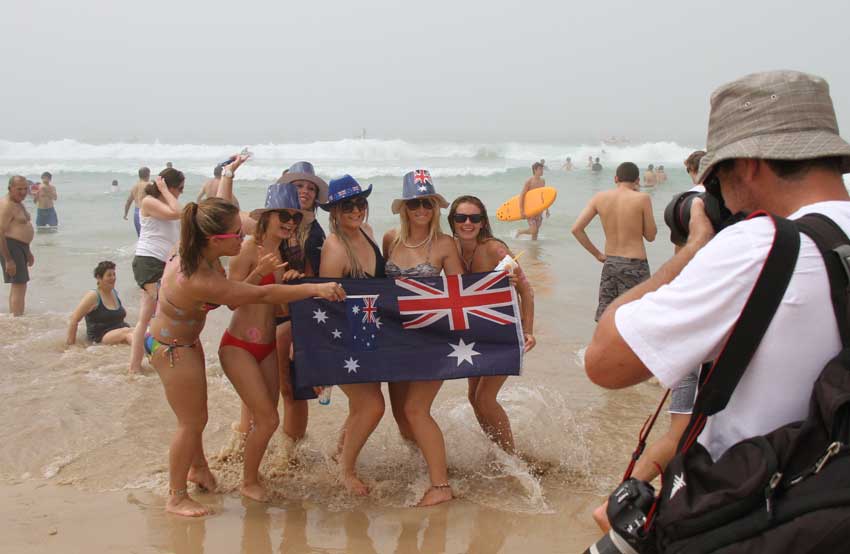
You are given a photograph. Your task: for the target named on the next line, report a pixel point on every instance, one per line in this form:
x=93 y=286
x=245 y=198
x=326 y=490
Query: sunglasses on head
x=475 y=218
x=417 y=203
x=237 y=235
x=285 y=216
x=348 y=205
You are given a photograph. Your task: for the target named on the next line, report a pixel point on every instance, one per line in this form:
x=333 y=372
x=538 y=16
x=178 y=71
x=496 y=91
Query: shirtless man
x=16 y=233
x=650 y=179
x=535 y=181
x=627 y=219
x=568 y=165
x=45 y=215
x=210 y=188
x=137 y=193
x=660 y=175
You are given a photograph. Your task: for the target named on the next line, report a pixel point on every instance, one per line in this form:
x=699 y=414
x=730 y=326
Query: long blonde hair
x=355 y=268
x=434 y=229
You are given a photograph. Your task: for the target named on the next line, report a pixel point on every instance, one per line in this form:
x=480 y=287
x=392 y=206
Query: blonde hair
x=355 y=268
x=434 y=229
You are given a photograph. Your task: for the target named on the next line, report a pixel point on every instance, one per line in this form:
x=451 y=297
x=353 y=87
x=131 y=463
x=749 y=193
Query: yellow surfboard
x=536 y=201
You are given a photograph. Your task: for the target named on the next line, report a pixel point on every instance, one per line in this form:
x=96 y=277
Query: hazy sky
x=249 y=72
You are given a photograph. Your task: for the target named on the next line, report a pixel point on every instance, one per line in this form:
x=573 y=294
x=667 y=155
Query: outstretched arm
x=585 y=217
x=129 y=202
x=87 y=304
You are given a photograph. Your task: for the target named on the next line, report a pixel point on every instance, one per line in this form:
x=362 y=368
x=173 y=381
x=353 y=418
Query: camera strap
x=718 y=381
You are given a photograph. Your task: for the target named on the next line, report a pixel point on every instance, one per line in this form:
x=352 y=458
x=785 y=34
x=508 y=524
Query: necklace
x=468 y=264
x=426 y=241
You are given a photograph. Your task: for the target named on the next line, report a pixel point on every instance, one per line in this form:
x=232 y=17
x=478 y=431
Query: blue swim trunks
x=46 y=217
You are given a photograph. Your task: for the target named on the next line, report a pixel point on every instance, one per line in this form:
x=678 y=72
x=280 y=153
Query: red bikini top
x=268 y=280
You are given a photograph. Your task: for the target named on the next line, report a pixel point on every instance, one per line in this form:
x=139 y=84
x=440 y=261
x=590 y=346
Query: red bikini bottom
x=259 y=351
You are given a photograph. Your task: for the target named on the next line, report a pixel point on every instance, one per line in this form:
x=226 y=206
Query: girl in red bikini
x=194 y=283
x=247 y=350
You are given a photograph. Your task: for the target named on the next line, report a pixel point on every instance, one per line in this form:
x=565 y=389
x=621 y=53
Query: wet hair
x=102 y=268
x=114 y=182
x=173 y=178
x=217 y=171
x=649 y=167
x=486 y=232
x=213 y=216
x=145 y=173
x=46 y=174
x=660 y=168
x=627 y=172
x=169 y=165
x=434 y=229
x=538 y=165
x=596 y=160
x=692 y=162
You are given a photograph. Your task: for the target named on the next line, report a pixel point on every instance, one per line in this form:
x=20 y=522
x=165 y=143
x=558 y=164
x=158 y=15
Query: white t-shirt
x=686 y=322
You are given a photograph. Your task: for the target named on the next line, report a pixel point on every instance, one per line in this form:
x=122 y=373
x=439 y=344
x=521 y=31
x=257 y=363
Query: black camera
x=677 y=214
x=628 y=507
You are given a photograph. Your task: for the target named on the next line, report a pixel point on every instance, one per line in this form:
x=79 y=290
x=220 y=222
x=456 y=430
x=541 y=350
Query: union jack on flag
x=422 y=176
x=457 y=302
x=369 y=309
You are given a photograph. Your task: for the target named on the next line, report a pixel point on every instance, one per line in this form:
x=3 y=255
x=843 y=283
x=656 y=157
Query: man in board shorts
x=45 y=215
x=627 y=219
x=16 y=234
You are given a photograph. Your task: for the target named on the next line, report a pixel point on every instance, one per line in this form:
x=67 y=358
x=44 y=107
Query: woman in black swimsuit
x=102 y=310
x=349 y=252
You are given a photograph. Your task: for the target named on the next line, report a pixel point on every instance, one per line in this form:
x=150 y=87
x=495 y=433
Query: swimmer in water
x=102 y=310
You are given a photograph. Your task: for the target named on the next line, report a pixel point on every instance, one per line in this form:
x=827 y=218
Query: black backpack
x=787 y=491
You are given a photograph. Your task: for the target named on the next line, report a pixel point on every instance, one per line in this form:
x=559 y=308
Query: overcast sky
x=284 y=71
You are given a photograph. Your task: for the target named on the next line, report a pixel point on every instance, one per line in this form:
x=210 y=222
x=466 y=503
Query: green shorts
x=147 y=269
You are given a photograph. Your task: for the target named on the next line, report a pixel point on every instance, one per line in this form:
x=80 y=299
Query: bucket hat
x=417 y=184
x=343 y=188
x=776 y=115
x=304 y=171
x=280 y=197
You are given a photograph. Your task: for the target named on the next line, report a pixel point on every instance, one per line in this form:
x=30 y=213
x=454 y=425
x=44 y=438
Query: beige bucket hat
x=776 y=115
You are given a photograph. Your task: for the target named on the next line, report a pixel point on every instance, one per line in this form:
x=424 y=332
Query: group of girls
x=288 y=243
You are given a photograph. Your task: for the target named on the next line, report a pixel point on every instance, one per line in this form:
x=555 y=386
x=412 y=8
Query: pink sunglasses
x=238 y=235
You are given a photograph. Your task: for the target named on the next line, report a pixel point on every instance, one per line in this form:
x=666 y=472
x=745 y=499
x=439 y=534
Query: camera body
x=677 y=214
x=628 y=507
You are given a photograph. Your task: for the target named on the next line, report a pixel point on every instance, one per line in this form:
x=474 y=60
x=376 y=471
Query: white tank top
x=157 y=237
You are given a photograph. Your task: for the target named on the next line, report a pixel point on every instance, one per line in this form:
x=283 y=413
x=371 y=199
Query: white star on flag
x=378 y=323
x=463 y=352
x=355 y=310
x=336 y=333
x=320 y=316
x=351 y=365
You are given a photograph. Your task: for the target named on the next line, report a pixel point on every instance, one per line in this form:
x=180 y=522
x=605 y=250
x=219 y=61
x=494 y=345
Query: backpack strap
x=834 y=246
x=719 y=381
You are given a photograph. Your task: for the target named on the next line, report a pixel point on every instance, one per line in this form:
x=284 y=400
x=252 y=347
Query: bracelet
x=227 y=172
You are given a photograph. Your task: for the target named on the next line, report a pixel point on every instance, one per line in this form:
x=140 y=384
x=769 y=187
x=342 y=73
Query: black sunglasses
x=475 y=218
x=286 y=216
x=348 y=205
x=417 y=203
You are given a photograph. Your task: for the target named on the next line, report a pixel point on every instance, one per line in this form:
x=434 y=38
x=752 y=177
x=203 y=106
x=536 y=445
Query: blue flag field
x=412 y=329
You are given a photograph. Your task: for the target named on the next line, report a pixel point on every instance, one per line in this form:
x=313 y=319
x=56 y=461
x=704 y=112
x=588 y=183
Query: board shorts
x=137 y=222
x=147 y=269
x=619 y=275
x=18 y=250
x=683 y=394
x=537 y=220
x=46 y=217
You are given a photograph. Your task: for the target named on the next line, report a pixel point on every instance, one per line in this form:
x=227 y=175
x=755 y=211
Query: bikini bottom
x=258 y=350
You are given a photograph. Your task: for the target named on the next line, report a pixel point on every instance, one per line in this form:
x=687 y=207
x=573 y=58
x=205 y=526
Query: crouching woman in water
x=194 y=283
x=247 y=350
x=481 y=252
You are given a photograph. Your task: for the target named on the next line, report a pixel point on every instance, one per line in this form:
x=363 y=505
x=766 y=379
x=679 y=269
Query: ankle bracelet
x=178 y=492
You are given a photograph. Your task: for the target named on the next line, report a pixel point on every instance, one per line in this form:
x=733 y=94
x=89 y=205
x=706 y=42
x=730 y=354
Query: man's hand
x=11 y=268
x=700 y=229
x=601 y=257
x=30 y=259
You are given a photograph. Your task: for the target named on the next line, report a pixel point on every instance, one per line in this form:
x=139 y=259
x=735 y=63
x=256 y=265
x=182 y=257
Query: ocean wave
x=364 y=158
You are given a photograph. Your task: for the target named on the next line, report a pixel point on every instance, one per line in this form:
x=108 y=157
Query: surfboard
x=536 y=202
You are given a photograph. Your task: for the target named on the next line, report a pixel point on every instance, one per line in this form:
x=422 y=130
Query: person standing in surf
x=627 y=220
x=137 y=194
x=481 y=252
x=419 y=248
x=45 y=198
x=16 y=234
x=535 y=181
x=351 y=253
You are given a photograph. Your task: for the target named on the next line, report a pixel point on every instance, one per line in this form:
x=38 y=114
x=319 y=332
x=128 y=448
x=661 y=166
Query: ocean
x=74 y=416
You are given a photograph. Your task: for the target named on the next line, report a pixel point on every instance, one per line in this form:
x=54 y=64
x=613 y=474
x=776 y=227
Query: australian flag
x=411 y=329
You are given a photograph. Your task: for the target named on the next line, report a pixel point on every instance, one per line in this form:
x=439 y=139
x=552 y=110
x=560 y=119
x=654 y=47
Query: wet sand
x=62 y=519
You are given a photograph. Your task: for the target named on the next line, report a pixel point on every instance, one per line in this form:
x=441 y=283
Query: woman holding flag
x=481 y=252
x=419 y=248
x=350 y=253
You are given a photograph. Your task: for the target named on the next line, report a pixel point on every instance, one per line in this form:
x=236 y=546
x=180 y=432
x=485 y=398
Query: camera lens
x=677 y=216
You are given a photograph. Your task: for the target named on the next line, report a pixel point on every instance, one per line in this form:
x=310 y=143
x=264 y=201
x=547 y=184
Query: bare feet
x=436 y=494
x=181 y=504
x=254 y=491
x=354 y=485
x=600 y=516
x=203 y=477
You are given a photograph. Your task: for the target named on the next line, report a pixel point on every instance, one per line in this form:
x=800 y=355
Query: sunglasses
x=475 y=218
x=348 y=205
x=237 y=235
x=285 y=216
x=417 y=203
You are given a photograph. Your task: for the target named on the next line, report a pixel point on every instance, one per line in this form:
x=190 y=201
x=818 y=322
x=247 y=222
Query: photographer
x=773 y=145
